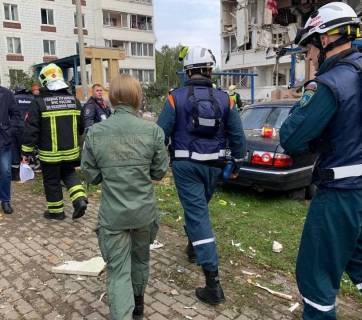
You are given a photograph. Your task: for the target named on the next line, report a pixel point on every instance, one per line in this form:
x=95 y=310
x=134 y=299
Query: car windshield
x=257 y=117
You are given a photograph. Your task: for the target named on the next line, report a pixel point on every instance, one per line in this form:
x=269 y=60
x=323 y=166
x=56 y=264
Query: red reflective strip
x=171 y=100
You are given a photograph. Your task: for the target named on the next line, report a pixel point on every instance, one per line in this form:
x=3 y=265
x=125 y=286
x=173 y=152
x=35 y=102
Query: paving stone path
x=31 y=245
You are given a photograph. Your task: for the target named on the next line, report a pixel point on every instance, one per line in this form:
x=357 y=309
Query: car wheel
x=310 y=192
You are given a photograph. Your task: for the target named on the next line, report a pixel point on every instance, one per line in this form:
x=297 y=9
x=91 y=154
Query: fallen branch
x=274 y=293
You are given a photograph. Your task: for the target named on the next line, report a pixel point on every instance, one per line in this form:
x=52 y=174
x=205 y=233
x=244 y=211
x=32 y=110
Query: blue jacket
x=328 y=120
x=176 y=121
x=10 y=117
x=344 y=131
x=94 y=111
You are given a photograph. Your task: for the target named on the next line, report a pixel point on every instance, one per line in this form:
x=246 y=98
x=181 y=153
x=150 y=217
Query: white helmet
x=326 y=18
x=197 y=57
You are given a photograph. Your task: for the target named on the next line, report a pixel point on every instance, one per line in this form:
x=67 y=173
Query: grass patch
x=251 y=222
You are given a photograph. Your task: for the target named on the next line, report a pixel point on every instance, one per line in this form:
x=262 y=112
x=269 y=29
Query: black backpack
x=206 y=114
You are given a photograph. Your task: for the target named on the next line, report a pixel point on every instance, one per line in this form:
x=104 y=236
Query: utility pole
x=83 y=75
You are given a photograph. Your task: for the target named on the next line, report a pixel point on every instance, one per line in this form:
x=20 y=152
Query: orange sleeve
x=171 y=101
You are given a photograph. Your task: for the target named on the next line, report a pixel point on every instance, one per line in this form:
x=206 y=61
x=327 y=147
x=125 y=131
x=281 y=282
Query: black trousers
x=17 y=140
x=53 y=174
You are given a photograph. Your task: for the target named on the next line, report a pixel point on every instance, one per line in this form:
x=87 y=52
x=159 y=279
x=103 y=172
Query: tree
x=167 y=65
x=19 y=78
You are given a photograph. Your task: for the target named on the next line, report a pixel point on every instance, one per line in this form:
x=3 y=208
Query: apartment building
x=251 y=33
x=35 y=31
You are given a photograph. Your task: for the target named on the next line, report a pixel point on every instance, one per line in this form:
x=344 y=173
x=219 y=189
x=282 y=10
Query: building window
x=115 y=19
x=145 y=76
x=141 y=49
x=141 y=22
x=11 y=12
x=14 y=45
x=47 y=16
x=125 y=71
x=75 y=21
x=49 y=47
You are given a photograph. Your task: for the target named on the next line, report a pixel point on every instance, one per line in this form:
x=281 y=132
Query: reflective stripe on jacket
x=53 y=125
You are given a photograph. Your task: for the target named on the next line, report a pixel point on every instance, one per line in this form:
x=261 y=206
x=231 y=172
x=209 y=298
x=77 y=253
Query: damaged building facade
x=251 y=33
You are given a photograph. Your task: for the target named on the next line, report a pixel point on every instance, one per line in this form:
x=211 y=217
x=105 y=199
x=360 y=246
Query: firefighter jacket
x=53 y=125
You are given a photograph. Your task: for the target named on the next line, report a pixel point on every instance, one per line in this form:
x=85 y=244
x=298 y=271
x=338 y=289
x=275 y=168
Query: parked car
x=267 y=166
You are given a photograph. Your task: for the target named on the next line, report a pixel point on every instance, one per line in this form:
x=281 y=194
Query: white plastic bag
x=26 y=172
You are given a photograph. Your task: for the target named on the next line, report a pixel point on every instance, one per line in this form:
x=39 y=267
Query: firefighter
x=200 y=120
x=327 y=120
x=53 y=124
x=23 y=100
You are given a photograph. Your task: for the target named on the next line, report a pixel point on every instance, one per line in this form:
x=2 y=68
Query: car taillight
x=277 y=160
x=282 y=160
x=268 y=132
x=262 y=158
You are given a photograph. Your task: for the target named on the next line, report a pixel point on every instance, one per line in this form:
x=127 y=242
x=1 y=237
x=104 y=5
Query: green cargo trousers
x=127 y=254
x=331 y=244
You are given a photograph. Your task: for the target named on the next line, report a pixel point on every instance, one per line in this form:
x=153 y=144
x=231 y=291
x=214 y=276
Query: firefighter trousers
x=53 y=175
x=331 y=244
x=195 y=183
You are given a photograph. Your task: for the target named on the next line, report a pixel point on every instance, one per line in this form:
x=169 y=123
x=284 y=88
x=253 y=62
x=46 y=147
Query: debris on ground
x=174 y=292
x=92 y=267
x=223 y=202
x=179 y=219
x=156 y=245
x=273 y=292
x=102 y=296
x=294 y=307
x=251 y=274
x=277 y=247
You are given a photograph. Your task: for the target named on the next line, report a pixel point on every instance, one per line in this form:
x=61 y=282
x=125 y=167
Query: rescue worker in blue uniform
x=53 y=124
x=201 y=122
x=23 y=100
x=328 y=120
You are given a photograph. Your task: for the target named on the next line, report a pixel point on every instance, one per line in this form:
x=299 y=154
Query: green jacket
x=125 y=153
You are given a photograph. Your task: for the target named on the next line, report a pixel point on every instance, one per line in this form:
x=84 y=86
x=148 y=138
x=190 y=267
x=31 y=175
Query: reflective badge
x=309 y=91
x=87 y=111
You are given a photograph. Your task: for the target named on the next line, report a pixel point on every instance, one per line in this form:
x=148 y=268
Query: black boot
x=7 y=209
x=54 y=216
x=191 y=256
x=80 y=206
x=212 y=293
x=138 y=308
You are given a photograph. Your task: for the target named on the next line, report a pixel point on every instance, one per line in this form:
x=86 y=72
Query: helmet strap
x=323 y=52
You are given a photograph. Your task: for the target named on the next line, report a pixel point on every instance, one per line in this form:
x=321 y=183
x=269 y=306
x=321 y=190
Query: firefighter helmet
x=51 y=76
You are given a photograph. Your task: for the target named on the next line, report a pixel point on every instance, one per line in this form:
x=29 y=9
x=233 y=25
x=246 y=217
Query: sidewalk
x=31 y=245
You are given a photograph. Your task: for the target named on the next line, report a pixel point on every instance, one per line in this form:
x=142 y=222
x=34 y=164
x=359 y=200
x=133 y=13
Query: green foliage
x=22 y=79
x=167 y=65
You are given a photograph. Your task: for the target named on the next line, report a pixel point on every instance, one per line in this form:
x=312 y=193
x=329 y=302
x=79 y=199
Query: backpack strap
x=351 y=62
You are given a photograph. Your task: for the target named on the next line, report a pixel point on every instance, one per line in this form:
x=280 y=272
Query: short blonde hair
x=126 y=90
